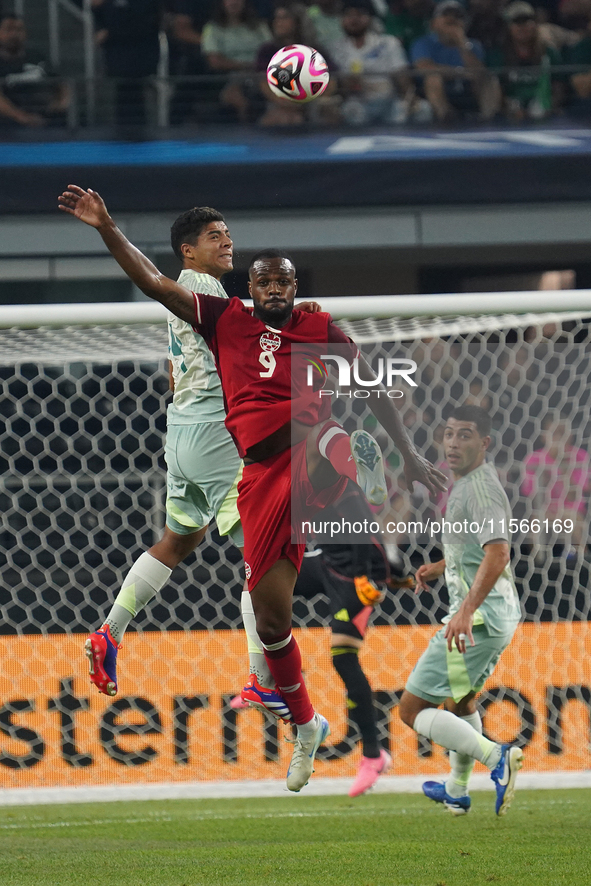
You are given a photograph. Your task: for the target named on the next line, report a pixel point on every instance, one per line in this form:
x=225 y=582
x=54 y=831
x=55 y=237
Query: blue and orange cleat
x=101 y=652
x=269 y=700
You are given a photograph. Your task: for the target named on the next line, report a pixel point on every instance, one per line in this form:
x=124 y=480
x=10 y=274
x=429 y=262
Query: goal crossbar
x=375 y=306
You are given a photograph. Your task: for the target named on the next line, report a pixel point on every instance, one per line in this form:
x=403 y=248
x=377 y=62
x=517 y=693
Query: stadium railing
x=171 y=100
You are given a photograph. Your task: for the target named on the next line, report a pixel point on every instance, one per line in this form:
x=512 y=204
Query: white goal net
x=82 y=486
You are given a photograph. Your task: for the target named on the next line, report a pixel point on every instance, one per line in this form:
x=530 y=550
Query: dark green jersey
x=524 y=82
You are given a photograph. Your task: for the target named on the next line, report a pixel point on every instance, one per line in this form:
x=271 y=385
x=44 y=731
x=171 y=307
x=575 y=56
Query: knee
x=461 y=708
x=173 y=548
x=405 y=710
x=271 y=625
x=434 y=83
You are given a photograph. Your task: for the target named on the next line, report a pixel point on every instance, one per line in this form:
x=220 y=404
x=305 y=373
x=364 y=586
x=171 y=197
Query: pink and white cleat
x=368 y=773
x=238 y=704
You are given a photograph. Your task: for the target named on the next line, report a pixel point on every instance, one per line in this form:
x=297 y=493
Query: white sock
x=451 y=732
x=307 y=730
x=256 y=653
x=461 y=764
x=146 y=577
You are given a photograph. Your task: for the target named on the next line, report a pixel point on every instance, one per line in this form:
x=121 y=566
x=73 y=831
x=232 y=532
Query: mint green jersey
x=478 y=512
x=197 y=388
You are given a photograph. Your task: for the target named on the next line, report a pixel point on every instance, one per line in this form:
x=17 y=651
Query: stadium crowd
x=393 y=61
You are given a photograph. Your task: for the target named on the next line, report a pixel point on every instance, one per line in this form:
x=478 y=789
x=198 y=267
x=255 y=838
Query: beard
x=275 y=316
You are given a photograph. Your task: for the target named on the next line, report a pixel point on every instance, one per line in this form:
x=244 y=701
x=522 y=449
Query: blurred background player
x=355 y=578
x=281 y=451
x=484 y=609
x=557 y=482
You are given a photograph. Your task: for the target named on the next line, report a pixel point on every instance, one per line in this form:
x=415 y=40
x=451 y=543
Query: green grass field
x=380 y=840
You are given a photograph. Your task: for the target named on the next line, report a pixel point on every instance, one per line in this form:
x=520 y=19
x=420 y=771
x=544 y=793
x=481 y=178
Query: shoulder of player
x=318 y=323
x=201 y=283
x=484 y=485
x=304 y=316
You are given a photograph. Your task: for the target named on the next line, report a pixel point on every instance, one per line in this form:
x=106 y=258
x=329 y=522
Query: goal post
x=82 y=486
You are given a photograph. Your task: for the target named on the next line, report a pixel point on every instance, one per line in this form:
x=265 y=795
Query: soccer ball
x=297 y=73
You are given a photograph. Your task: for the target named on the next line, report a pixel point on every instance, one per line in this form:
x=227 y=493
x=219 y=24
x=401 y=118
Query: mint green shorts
x=440 y=674
x=201 y=483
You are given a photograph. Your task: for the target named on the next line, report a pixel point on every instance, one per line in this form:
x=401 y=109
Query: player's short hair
x=189 y=225
x=269 y=253
x=475 y=414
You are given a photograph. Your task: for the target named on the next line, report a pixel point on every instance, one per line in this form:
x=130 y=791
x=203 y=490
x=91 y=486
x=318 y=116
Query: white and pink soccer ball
x=297 y=73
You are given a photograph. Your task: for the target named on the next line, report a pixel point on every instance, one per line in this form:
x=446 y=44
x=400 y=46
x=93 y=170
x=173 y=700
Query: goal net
x=82 y=488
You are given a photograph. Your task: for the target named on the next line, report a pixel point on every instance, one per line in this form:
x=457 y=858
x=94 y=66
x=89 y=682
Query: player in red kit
x=281 y=431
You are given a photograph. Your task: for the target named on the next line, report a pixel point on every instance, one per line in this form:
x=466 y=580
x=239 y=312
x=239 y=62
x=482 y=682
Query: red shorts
x=265 y=496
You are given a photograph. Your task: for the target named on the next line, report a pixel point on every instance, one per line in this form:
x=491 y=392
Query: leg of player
x=457 y=734
x=261 y=689
x=145 y=579
x=358 y=457
x=462 y=764
x=272 y=599
x=375 y=760
x=354 y=579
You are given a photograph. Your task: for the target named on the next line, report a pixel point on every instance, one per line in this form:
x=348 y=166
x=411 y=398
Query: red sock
x=285 y=663
x=335 y=444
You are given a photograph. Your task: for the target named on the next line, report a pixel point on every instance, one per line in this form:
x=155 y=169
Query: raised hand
x=418 y=469
x=88 y=206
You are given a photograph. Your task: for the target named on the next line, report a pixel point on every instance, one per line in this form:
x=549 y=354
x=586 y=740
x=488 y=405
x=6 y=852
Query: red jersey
x=255 y=366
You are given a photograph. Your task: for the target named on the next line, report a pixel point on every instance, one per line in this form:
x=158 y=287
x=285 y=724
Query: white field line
x=158 y=819
x=33 y=823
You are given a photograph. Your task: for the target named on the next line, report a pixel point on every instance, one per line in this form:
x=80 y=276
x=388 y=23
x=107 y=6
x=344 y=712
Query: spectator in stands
x=325 y=16
x=455 y=76
x=572 y=22
x=288 y=26
x=530 y=90
x=580 y=54
x=408 y=20
x=373 y=72
x=187 y=19
x=128 y=32
x=29 y=96
x=231 y=41
x=557 y=479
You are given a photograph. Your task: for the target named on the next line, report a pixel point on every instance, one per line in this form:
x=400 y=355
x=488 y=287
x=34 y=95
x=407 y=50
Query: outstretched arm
x=428 y=572
x=89 y=207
